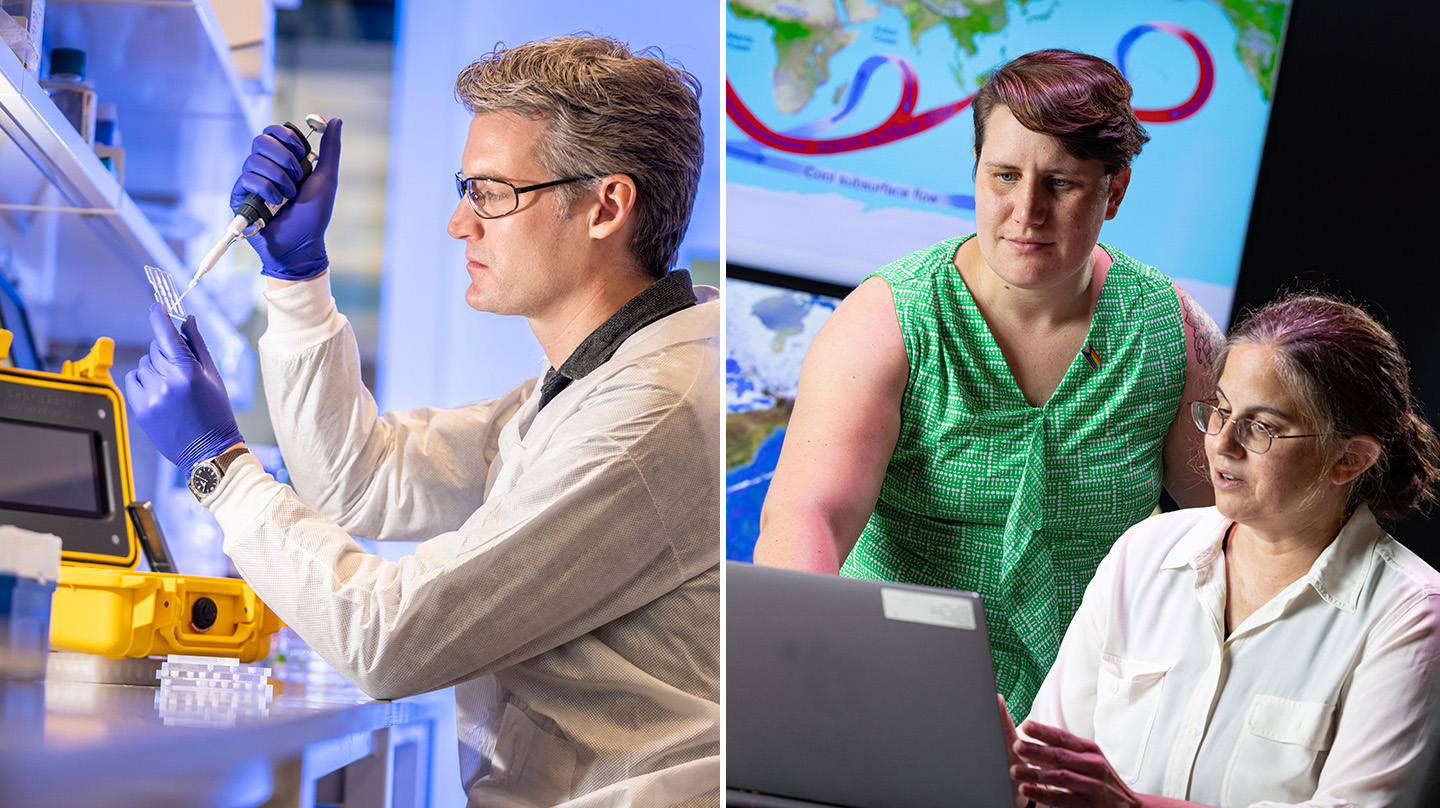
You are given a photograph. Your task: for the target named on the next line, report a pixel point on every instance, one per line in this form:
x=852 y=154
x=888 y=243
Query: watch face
x=204 y=479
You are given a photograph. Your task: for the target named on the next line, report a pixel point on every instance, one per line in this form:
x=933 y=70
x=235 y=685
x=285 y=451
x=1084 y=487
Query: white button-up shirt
x=1319 y=698
x=569 y=584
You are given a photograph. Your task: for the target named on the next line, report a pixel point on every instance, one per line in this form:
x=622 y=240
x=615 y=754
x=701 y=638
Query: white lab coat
x=568 y=584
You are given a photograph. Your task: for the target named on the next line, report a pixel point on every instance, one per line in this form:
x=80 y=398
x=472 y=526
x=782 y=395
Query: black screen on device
x=49 y=469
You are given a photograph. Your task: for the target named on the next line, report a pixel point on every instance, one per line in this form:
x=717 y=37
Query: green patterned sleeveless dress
x=1019 y=503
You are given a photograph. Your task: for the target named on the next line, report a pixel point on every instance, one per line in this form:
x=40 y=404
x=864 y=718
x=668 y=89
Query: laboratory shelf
x=76 y=239
x=167 y=67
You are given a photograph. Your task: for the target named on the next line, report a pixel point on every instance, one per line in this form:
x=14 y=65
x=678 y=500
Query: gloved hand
x=178 y=397
x=292 y=245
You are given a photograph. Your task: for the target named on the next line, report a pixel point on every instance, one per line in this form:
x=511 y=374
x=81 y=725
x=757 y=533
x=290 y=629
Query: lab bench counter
x=317 y=740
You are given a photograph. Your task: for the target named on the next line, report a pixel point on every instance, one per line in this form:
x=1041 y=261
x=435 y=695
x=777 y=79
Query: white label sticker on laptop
x=928 y=608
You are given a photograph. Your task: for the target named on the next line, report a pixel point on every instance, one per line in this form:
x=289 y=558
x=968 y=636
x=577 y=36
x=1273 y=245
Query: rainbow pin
x=1092 y=356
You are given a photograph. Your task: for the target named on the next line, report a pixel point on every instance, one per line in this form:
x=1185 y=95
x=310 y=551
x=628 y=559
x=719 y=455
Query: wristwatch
x=206 y=475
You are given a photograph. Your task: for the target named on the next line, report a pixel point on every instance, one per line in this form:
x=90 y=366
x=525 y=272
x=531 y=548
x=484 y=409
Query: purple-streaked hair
x=1081 y=100
x=1349 y=378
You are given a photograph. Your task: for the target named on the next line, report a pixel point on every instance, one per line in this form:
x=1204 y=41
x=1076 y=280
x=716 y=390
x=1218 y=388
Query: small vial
x=106 y=131
x=107 y=141
x=71 y=92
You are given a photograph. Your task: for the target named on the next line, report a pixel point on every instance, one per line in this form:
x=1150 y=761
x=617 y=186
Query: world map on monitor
x=768 y=330
x=849 y=131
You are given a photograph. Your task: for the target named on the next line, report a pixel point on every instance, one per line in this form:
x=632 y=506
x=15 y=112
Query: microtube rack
x=180 y=666
x=165 y=292
x=215 y=674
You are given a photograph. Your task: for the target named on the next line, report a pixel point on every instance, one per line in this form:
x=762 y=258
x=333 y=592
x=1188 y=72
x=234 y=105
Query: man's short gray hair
x=609 y=111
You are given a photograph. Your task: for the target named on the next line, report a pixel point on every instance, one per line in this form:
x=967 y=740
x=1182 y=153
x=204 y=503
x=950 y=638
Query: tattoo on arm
x=1207 y=334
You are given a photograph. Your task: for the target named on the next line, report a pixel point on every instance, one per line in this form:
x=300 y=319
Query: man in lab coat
x=568 y=584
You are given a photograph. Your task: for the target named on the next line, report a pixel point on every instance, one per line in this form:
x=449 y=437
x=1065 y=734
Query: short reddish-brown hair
x=1081 y=100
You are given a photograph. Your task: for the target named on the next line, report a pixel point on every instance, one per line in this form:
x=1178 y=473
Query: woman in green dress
x=991 y=413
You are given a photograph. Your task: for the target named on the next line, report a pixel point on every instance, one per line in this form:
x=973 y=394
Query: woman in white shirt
x=1279 y=648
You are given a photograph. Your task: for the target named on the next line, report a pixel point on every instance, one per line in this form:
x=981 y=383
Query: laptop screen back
x=860 y=693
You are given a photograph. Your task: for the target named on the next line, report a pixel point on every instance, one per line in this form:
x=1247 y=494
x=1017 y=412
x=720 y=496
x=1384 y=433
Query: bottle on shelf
x=70 y=91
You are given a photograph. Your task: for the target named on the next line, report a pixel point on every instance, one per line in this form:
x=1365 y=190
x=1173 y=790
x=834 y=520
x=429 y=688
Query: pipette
x=254 y=210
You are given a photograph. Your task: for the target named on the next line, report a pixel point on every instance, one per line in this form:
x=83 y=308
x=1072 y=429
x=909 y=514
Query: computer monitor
x=770 y=320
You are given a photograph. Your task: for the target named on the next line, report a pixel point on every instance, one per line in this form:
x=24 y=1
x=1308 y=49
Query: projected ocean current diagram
x=849 y=134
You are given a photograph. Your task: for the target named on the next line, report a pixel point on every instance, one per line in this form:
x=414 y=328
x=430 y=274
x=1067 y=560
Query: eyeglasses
x=1253 y=435
x=491 y=199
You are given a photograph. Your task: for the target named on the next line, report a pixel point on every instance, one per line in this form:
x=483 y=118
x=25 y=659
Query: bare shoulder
x=861 y=342
x=869 y=309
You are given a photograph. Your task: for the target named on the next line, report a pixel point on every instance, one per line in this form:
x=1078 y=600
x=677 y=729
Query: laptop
x=855 y=693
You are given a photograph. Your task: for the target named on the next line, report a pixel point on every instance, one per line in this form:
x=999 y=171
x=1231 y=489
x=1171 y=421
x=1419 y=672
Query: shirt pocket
x=530 y=766
x=1280 y=751
x=1127 y=700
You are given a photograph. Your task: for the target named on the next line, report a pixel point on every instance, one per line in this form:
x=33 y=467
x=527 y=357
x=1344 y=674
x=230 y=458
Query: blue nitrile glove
x=178 y=397
x=292 y=245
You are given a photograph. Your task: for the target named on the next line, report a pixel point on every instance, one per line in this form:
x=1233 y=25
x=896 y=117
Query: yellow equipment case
x=65 y=469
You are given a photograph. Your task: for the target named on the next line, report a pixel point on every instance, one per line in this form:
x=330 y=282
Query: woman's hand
x=1065 y=771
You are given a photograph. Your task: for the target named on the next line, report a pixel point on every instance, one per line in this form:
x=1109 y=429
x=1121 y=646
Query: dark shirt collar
x=660 y=299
